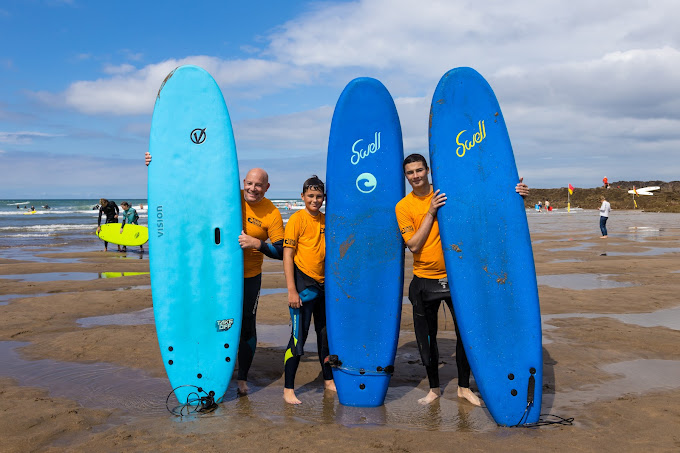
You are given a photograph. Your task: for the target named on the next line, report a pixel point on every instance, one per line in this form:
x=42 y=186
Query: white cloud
x=133 y=91
x=24 y=137
x=118 y=69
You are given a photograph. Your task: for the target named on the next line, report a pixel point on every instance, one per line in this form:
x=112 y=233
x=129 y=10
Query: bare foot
x=242 y=388
x=329 y=385
x=603 y=237
x=289 y=397
x=430 y=397
x=467 y=394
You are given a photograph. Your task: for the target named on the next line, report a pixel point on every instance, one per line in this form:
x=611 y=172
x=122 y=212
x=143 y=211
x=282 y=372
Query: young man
x=303 y=264
x=417 y=218
x=110 y=211
x=605 y=208
x=261 y=221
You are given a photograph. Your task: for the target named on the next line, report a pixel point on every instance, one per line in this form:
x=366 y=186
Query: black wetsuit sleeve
x=274 y=251
x=99 y=220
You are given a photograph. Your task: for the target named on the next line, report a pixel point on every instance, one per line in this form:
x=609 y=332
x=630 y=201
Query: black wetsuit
x=426 y=295
x=251 y=297
x=301 y=321
x=110 y=211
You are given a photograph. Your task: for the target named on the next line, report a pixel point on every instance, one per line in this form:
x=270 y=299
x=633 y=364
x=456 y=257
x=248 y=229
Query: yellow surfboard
x=131 y=235
x=121 y=274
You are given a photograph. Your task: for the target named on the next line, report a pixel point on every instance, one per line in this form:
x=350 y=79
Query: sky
x=588 y=88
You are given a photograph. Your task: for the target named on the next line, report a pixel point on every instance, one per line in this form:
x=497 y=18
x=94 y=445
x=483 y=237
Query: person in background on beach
x=110 y=210
x=417 y=218
x=129 y=216
x=303 y=264
x=261 y=221
x=605 y=207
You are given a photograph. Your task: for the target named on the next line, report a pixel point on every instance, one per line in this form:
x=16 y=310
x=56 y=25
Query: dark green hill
x=666 y=199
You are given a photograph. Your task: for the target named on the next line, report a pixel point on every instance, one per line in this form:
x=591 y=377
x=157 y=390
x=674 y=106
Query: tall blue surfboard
x=487 y=248
x=196 y=263
x=364 y=249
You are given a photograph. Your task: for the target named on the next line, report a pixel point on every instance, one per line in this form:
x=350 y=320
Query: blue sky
x=588 y=89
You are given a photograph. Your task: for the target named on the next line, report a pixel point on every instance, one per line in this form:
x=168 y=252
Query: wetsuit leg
x=425 y=319
x=301 y=319
x=321 y=335
x=461 y=358
x=248 y=340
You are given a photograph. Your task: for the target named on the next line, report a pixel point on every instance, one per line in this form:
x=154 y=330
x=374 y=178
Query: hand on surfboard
x=522 y=188
x=147 y=158
x=248 y=242
x=438 y=200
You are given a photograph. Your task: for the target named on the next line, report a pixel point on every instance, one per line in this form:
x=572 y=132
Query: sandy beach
x=82 y=370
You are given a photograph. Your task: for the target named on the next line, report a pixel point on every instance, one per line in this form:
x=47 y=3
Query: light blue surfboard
x=364 y=249
x=196 y=263
x=487 y=248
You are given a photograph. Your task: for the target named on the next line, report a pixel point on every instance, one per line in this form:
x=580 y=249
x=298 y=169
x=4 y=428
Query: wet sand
x=67 y=384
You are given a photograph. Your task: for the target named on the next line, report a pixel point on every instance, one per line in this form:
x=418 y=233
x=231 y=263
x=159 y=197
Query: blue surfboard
x=196 y=263
x=364 y=249
x=487 y=248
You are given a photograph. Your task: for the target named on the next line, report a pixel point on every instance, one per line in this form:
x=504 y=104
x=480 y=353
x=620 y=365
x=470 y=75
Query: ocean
x=69 y=224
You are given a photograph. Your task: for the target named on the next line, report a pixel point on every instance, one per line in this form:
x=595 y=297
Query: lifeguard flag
x=571 y=189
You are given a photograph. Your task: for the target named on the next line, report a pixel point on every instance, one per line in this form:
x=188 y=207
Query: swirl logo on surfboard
x=358 y=151
x=467 y=144
x=366 y=183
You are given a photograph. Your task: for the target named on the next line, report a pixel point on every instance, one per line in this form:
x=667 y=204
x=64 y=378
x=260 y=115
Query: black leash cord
x=543 y=422
x=194 y=403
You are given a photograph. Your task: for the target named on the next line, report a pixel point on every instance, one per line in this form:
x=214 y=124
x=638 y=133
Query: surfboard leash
x=530 y=402
x=195 y=403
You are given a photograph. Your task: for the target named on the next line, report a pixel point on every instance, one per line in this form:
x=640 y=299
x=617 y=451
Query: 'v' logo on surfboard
x=198 y=135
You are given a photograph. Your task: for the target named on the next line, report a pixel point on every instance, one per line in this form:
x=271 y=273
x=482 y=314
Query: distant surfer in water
x=417 y=218
x=261 y=221
x=110 y=210
x=303 y=264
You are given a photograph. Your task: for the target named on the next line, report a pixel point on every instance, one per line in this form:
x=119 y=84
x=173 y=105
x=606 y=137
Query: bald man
x=261 y=221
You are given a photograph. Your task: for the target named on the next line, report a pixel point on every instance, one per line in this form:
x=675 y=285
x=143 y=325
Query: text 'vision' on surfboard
x=359 y=154
x=467 y=144
x=159 y=220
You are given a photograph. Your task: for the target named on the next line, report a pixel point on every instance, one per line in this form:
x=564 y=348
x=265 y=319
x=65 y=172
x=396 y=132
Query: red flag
x=571 y=189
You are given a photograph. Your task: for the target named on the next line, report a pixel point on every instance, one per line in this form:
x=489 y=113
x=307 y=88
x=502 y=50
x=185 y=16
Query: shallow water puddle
x=669 y=318
x=401 y=410
x=103 y=385
x=634 y=377
x=576 y=248
x=652 y=251
x=5 y=298
x=79 y=276
x=98 y=385
x=134 y=318
x=53 y=276
x=580 y=281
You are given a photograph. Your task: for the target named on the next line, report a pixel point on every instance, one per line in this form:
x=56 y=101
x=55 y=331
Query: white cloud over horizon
x=587 y=88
